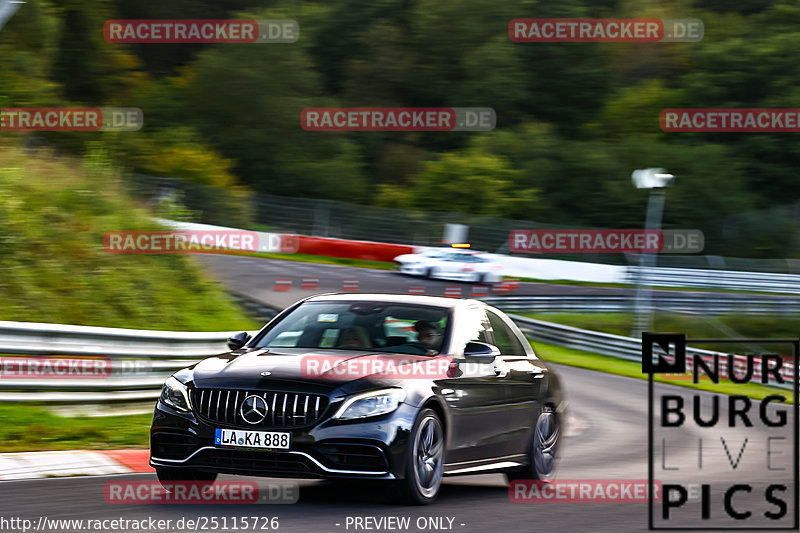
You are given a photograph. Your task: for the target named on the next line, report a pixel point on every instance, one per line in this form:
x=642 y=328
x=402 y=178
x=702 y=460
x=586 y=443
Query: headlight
x=175 y=394
x=372 y=403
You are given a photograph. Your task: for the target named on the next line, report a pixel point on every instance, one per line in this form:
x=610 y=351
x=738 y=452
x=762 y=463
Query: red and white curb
x=35 y=465
x=350 y=285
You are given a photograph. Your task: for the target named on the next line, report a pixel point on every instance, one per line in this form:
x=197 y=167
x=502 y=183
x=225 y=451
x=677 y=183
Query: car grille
x=284 y=409
x=251 y=461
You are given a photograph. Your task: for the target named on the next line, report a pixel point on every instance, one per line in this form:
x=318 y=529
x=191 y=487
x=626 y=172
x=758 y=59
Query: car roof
x=456 y=250
x=410 y=299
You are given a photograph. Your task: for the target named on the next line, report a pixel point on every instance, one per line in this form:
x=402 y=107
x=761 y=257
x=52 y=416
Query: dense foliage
x=53 y=267
x=573 y=119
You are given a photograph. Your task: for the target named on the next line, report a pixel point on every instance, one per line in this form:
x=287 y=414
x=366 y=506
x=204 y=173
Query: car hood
x=410 y=258
x=313 y=370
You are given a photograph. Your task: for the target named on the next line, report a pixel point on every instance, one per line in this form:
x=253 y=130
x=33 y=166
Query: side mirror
x=480 y=352
x=237 y=341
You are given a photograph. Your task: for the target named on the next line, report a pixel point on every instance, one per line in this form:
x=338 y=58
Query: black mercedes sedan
x=406 y=389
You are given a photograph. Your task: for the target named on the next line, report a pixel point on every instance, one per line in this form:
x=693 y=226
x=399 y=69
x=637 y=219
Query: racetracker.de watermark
x=729 y=120
x=580 y=491
x=384 y=366
x=199 y=492
x=71 y=119
x=196 y=242
x=605 y=30
x=398 y=119
x=201 y=31
x=605 y=241
x=49 y=367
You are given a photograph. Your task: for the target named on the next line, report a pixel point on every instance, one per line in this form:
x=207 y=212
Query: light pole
x=655 y=179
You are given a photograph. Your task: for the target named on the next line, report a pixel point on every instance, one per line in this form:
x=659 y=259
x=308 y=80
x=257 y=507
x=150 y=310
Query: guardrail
x=710 y=305
x=716 y=279
x=136 y=361
x=628 y=348
x=35 y=338
x=141 y=360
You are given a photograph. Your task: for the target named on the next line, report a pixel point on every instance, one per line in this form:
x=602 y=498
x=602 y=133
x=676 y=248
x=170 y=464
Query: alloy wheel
x=428 y=452
x=545 y=444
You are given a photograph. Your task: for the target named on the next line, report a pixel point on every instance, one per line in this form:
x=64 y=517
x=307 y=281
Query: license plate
x=253 y=439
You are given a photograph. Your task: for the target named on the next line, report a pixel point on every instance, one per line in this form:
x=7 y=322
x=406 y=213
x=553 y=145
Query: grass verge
x=632 y=369
x=696 y=326
x=327 y=260
x=27 y=428
x=54 y=213
x=610 y=285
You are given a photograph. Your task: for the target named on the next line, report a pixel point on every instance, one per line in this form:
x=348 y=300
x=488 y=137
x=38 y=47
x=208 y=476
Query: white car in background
x=419 y=264
x=450 y=264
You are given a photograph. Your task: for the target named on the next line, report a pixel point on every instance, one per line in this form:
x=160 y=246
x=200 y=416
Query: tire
x=545 y=448
x=424 y=460
x=171 y=475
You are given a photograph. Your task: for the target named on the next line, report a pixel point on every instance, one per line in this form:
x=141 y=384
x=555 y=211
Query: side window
x=505 y=339
x=475 y=326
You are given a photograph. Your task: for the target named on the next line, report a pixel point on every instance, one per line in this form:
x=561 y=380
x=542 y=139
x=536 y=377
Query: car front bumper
x=414 y=270
x=374 y=448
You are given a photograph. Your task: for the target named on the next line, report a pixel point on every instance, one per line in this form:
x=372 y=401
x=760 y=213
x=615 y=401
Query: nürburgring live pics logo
x=725 y=461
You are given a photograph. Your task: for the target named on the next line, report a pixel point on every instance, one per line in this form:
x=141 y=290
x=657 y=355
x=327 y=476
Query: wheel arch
x=435 y=404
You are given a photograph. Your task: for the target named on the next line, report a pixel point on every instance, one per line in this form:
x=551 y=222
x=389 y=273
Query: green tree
x=28 y=45
x=89 y=69
x=470 y=182
x=247 y=101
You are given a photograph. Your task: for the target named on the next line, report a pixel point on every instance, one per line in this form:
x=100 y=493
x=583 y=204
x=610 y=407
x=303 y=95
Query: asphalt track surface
x=607 y=440
x=611 y=444
x=257 y=277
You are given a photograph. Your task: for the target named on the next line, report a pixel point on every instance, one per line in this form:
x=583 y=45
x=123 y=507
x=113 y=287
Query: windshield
x=436 y=253
x=466 y=258
x=372 y=326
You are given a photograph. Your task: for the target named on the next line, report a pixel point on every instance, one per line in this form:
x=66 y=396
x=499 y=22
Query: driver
x=428 y=335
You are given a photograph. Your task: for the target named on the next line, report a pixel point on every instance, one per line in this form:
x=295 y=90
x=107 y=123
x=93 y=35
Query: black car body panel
x=488 y=410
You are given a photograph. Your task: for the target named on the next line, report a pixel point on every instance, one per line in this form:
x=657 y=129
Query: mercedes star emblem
x=253 y=409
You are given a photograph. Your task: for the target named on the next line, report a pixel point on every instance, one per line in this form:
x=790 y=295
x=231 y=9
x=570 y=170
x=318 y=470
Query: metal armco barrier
x=41 y=339
x=716 y=279
x=141 y=360
x=600 y=343
x=705 y=304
